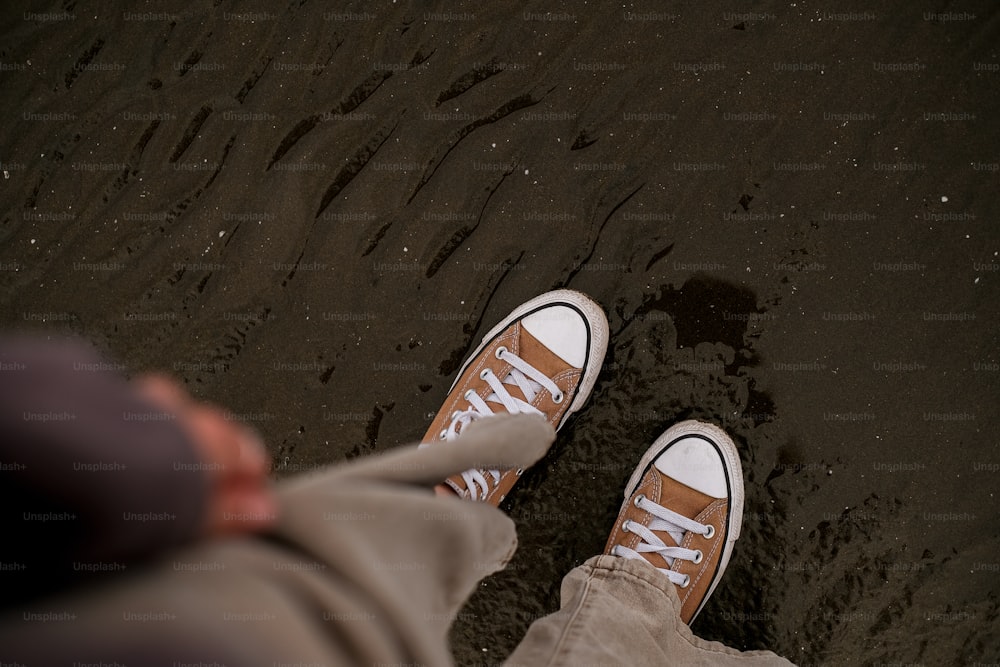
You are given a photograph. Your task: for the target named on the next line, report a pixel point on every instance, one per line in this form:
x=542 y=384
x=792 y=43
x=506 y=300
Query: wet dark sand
x=789 y=217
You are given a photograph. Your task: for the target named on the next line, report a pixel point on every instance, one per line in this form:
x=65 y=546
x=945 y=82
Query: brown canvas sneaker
x=683 y=510
x=543 y=358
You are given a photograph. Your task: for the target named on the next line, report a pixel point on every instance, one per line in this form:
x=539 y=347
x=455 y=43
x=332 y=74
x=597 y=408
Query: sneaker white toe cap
x=694 y=462
x=562 y=330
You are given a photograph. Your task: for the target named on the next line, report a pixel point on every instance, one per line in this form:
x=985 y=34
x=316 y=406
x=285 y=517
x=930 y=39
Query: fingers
x=253 y=458
x=163 y=391
x=239 y=498
x=238 y=449
x=242 y=499
x=241 y=508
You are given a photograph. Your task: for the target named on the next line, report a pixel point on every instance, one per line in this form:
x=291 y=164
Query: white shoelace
x=523 y=375
x=672 y=523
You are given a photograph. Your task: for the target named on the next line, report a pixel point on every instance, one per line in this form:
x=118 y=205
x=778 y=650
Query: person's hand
x=234 y=458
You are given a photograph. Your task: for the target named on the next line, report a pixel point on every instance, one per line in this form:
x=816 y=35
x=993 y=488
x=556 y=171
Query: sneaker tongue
x=656 y=559
x=532 y=351
x=540 y=357
x=513 y=389
x=681 y=499
x=535 y=353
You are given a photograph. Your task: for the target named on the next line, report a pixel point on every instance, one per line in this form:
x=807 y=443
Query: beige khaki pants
x=367 y=567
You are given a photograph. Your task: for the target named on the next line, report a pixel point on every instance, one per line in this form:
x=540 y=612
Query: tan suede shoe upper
x=521 y=343
x=673 y=495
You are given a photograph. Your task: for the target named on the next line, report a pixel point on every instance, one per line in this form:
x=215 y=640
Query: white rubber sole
x=734 y=482
x=597 y=338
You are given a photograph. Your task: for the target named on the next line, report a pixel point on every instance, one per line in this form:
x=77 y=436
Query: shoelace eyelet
x=500 y=350
x=687 y=581
x=711 y=532
x=625 y=524
x=638 y=498
x=443 y=435
x=558 y=399
x=467 y=393
x=698 y=556
x=486 y=372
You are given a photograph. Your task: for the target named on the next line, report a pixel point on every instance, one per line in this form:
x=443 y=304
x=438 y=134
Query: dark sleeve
x=92 y=477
